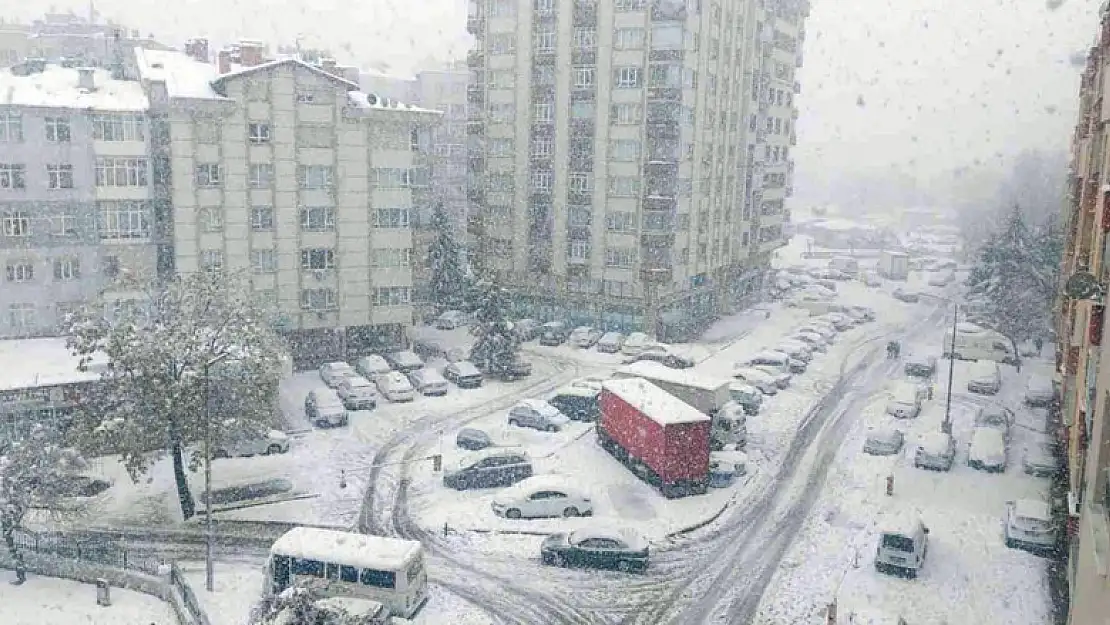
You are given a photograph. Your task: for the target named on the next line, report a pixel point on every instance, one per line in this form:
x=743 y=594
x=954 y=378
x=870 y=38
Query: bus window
x=313 y=568
x=348 y=574
x=280 y=573
x=379 y=579
x=332 y=571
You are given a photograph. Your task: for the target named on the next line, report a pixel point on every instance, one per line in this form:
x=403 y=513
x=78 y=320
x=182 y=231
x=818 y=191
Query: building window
x=542 y=181
x=500 y=148
x=391 y=218
x=502 y=43
x=208 y=175
x=211 y=219
x=306 y=97
x=318 y=299
x=501 y=182
x=123 y=220
x=57 y=129
x=501 y=8
x=212 y=261
x=578 y=250
x=585 y=76
x=626 y=114
x=23 y=317
x=502 y=111
x=667 y=36
x=391 y=295
x=21 y=271
x=390 y=178
x=67 y=269
x=258 y=133
x=579 y=216
x=579 y=182
x=17 y=224
x=317 y=218
x=620 y=221
x=315 y=176
x=118 y=128
x=544 y=41
x=543 y=147
x=263 y=261
x=317 y=259
x=617 y=288
x=59 y=176
x=624 y=186
x=502 y=79
x=583 y=109
x=628 y=38
x=11 y=127
x=585 y=38
x=110 y=266
x=391 y=257
x=13 y=176
x=620 y=257
x=628 y=5
x=262 y=218
x=543 y=7
x=543 y=112
x=121 y=172
x=63 y=225
x=627 y=77
x=260 y=175
x=624 y=149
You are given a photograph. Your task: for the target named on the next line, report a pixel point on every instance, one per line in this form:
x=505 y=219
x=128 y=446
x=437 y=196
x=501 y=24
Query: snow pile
x=52 y=601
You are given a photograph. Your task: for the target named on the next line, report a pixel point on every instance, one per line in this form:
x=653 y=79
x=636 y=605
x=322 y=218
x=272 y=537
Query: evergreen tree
x=201 y=350
x=497 y=345
x=448 y=287
x=304 y=606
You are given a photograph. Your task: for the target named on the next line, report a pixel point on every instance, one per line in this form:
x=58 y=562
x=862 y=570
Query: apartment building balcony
x=475 y=195
x=476 y=25
x=476 y=59
x=656 y=273
x=585 y=13
x=664 y=94
x=668 y=11
x=543 y=56
x=476 y=95
x=660 y=203
x=583 y=57
x=797 y=87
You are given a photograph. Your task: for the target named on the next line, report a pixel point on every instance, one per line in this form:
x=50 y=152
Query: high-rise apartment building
x=629 y=160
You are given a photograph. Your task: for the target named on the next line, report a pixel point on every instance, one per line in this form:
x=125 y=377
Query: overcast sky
x=921 y=85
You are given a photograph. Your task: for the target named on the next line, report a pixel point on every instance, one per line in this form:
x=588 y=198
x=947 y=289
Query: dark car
x=464 y=374
x=667 y=359
x=526 y=329
x=596 y=548
x=519 y=369
x=500 y=468
x=554 y=333
x=580 y=404
x=473 y=439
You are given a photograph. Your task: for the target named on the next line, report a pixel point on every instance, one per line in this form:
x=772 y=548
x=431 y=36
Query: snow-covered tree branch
x=306 y=606
x=497 y=346
x=449 y=287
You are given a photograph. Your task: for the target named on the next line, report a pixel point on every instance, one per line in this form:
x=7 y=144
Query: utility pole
x=946 y=427
x=209 y=528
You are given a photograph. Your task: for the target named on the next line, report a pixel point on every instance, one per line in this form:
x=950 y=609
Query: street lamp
x=210 y=536
x=946 y=426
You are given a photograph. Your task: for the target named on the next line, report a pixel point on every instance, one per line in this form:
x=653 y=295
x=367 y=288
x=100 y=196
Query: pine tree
x=34 y=472
x=497 y=346
x=201 y=350
x=448 y=287
x=304 y=606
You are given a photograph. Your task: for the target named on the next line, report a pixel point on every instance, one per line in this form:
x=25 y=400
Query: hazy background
x=902 y=100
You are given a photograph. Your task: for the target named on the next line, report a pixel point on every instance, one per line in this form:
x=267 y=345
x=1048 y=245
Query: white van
x=429 y=382
x=905 y=400
x=394 y=386
x=778 y=360
x=372 y=366
x=976 y=343
x=984 y=378
x=903 y=543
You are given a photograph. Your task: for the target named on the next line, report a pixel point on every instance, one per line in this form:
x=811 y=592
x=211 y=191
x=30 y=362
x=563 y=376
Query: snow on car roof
x=550 y=481
x=1032 y=509
x=631 y=537
x=464 y=367
x=988 y=441
x=657 y=404
x=883 y=434
x=934 y=443
x=900 y=523
x=359 y=550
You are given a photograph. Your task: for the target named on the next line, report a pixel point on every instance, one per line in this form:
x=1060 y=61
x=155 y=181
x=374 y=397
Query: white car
x=828 y=333
x=997 y=417
x=1029 y=525
x=537 y=414
x=1039 y=391
x=357 y=393
x=815 y=341
x=370 y=367
x=610 y=343
x=762 y=380
x=782 y=380
x=635 y=343
x=395 y=387
x=429 y=382
x=987 y=451
x=272 y=442
x=883 y=441
x=796 y=350
x=936 y=451
x=542 y=496
x=985 y=378
x=334 y=372
x=452 y=319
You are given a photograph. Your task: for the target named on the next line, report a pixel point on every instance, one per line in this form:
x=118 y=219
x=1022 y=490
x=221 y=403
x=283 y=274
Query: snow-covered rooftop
x=659 y=405
x=31 y=363
x=361 y=550
x=58 y=87
x=185 y=77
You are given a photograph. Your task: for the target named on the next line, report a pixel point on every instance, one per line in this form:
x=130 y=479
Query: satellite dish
x=1083 y=285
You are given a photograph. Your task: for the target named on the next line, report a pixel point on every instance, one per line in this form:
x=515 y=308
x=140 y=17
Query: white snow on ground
x=970 y=576
x=53 y=601
x=236 y=588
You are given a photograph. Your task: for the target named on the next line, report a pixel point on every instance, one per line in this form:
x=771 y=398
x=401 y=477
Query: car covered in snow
x=395 y=387
x=782 y=380
x=826 y=332
x=526 y=329
x=372 y=366
x=919 y=365
x=324 y=408
x=610 y=343
x=1039 y=460
x=405 y=361
x=747 y=396
x=463 y=374
x=1039 y=391
x=487 y=469
x=1029 y=525
x=451 y=319
x=840 y=322
x=635 y=343
x=984 y=378
x=473 y=439
x=862 y=314
x=663 y=355
x=554 y=333
x=597 y=546
x=903 y=544
x=762 y=380
x=870 y=278
x=584 y=337
x=935 y=451
x=577 y=402
x=334 y=372
x=797 y=350
x=995 y=416
x=542 y=496
x=777 y=360
x=883 y=441
x=815 y=341
x=266 y=444
x=987 y=451
x=429 y=382
x=357 y=393
x=537 y=414
x=909 y=297
x=905 y=399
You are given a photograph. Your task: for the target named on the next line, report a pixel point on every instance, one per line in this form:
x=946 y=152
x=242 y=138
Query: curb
x=682 y=531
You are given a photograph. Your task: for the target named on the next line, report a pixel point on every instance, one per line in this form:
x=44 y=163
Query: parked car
x=903 y=544
x=584 y=337
x=984 y=378
x=842 y=323
x=920 y=365
x=997 y=417
x=451 y=319
x=871 y=279
x=323 y=408
x=862 y=314
x=635 y=343
x=473 y=439
x=905 y=399
x=782 y=380
x=883 y=441
x=537 y=414
x=357 y=393
x=762 y=380
x=936 y=451
x=429 y=382
x=554 y=333
x=488 y=469
x=1039 y=460
x=1029 y=525
x=517 y=370
x=542 y=496
x=395 y=387
x=749 y=397
x=815 y=341
x=1039 y=391
x=405 y=361
x=597 y=547
x=909 y=297
x=827 y=333
x=526 y=329
x=797 y=350
x=372 y=366
x=269 y=443
x=610 y=342
x=577 y=403
x=663 y=355
x=463 y=374
x=987 y=451
x=592 y=382
x=456 y=354
x=333 y=372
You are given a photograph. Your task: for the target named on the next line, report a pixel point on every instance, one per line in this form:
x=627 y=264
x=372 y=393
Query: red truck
x=657 y=436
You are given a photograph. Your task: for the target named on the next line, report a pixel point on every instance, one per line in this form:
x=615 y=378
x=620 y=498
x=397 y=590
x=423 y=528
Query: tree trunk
x=188 y=506
x=17 y=557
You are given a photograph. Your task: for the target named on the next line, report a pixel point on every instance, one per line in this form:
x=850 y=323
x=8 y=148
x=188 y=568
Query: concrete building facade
x=629 y=160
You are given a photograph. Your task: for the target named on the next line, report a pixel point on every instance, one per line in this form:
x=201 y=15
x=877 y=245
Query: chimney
x=223 y=62
x=328 y=65
x=198 y=49
x=86 y=79
x=251 y=53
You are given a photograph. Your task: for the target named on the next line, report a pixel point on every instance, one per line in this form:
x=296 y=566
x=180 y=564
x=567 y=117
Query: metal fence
x=95 y=552
x=177 y=579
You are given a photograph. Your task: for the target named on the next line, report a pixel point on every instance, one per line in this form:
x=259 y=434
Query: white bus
x=344 y=564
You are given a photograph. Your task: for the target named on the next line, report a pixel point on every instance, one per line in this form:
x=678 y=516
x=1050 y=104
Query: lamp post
x=210 y=536
x=946 y=426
